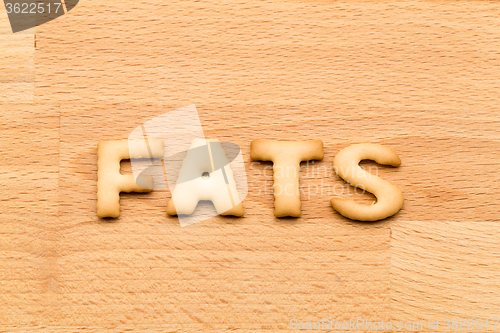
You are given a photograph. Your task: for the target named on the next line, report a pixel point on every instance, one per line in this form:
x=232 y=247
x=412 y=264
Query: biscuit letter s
x=286 y=157
x=110 y=182
x=389 y=197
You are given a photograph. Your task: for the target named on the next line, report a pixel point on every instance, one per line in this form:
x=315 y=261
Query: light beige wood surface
x=17 y=63
x=422 y=77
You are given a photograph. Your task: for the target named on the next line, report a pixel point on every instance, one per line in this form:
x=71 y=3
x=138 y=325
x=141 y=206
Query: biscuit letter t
x=286 y=157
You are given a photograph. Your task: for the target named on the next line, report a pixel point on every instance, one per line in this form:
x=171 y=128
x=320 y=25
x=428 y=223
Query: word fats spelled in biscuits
x=286 y=157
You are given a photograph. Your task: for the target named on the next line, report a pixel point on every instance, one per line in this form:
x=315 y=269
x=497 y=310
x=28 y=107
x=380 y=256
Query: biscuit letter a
x=205 y=174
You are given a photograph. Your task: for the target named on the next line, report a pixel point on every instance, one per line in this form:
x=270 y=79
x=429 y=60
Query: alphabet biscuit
x=389 y=197
x=286 y=157
x=205 y=174
x=110 y=182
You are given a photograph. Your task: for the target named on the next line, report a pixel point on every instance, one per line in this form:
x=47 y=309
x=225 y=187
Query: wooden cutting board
x=422 y=77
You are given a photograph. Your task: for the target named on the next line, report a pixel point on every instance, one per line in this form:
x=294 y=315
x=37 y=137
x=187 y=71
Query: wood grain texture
x=420 y=252
x=422 y=77
x=17 y=63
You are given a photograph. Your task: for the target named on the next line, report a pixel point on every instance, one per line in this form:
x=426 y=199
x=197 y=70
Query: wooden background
x=422 y=77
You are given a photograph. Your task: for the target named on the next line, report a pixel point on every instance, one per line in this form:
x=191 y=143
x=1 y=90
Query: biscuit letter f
x=110 y=182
